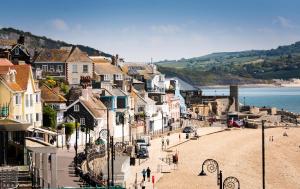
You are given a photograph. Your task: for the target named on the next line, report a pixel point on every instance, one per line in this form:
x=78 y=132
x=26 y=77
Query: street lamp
x=263 y=152
x=230 y=183
x=212 y=166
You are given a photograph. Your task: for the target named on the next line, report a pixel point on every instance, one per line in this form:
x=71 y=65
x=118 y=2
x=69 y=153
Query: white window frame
x=17 y=51
x=31 y=100
x=82 y=121
x=26 y=100
x=59 y=68
x=106 y=77
x=119 y=77
x=87 y=68
x=45 y=68
x=37 y=117
x=76 y=108
x=18 y=99
x=51 y=68
x=74 y=68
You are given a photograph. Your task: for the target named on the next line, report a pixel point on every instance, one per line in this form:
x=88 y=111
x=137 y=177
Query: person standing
x=168 y=141
x=148 y=174
x=179 y=137
x=144 y=174
x=162 y=143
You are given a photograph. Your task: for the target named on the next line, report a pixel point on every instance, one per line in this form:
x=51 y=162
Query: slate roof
x=78 y=56
x=93 y=104
x=107 y=68
x=50 y=96
x=53 y=55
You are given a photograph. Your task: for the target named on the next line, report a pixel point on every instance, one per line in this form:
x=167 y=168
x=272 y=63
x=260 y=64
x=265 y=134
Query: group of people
x=164 y=144
x=145 y=172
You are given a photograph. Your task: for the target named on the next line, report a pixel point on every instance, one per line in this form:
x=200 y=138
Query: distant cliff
x=36 y=43
x=244 y=67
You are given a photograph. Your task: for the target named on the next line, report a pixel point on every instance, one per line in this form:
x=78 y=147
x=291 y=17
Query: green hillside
x=34 y=42
x=245 y=67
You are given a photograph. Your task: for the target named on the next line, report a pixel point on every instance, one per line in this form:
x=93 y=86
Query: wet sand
x=238 y=153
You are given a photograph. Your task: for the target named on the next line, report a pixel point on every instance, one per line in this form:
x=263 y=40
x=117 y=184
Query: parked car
x=142 y=152
x=144 y=140
x=188 y=129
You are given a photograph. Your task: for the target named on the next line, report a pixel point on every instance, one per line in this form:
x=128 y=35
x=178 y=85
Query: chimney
x=21 y=40
x=87 y=93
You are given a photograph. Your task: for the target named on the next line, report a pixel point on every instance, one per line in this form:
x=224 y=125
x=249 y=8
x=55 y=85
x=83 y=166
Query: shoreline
x=251 y=86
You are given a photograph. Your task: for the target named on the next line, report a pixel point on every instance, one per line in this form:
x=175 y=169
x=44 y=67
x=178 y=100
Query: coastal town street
x=155 y=162
x=238 y=153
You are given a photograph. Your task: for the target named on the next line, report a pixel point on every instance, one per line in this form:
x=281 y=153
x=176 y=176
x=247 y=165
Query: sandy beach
x=238 y=153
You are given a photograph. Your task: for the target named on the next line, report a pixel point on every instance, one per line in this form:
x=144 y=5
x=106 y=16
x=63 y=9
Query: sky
x=139 y=30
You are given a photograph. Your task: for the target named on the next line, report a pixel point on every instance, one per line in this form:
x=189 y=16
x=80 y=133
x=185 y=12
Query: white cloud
x=166 y=29
x=283 y=22
x=60 y=24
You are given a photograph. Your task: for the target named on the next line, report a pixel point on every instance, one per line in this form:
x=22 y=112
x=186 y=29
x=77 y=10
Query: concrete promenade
x=156 y=154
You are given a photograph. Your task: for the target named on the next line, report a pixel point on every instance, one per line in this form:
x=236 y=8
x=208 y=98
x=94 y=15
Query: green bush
x=49 y=117
x=70 y=128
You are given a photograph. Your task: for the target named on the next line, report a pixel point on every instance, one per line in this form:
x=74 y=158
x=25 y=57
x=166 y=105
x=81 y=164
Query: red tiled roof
x=22 y=75
x=5 y=62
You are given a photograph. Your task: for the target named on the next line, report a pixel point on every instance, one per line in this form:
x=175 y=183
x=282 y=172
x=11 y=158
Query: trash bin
x=187 y=136
x=132 y=161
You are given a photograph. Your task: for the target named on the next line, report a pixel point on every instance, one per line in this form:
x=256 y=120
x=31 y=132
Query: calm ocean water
x=287 y=98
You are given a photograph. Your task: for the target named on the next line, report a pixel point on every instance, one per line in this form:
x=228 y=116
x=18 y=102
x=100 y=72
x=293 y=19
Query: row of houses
x=130 y=99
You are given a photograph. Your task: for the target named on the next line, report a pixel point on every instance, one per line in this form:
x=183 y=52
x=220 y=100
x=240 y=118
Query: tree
x=69 y=129
x=49 y=117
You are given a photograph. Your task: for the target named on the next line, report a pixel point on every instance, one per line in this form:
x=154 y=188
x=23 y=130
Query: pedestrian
x=148 y=174
x=272 y=139
x=168 y=141
x=143 y=185
x=144 y=174
x=68 y=146
x=162 y=143
x=179 y=137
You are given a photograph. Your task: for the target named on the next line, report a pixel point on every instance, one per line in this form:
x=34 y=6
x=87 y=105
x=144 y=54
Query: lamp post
x=212 y=166
x=76 y=144
x=231 y=182
x=263 y=152
x=162 y=122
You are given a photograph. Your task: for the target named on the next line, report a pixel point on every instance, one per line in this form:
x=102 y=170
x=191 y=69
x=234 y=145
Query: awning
x=11 y=125
x=41 y=130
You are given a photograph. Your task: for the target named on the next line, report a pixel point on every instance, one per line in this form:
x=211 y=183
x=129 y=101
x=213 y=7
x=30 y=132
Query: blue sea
x=287 y=98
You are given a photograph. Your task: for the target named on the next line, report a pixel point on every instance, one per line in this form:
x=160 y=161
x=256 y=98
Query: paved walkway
x=65 y=169
x=156 y=154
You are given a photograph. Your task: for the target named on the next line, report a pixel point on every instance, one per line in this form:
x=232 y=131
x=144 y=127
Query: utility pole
x=108 y=152
x=263 y=152
x=112 y=159
x=76 y=144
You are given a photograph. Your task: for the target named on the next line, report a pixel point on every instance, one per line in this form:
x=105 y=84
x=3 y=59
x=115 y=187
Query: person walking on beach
x=162 y=143
x=148 y=174
x=144 y=174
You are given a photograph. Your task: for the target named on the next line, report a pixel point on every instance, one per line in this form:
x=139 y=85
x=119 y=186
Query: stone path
x=156 y=154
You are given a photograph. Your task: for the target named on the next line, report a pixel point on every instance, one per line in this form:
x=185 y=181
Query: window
x=17 y=52
x=17 y=99
x=27 y=120
x=44 y=68
x=85 y=69
x=82 y=121
x=76 y=108
x=106 y=77
x=75 y=81
x=37 y=117
x=31 y=118
x=31 y=100
x=51 y=68
x=118 y=77
x=27 y=100
x=59 y=68
x=37 y=98
x=74 y=68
